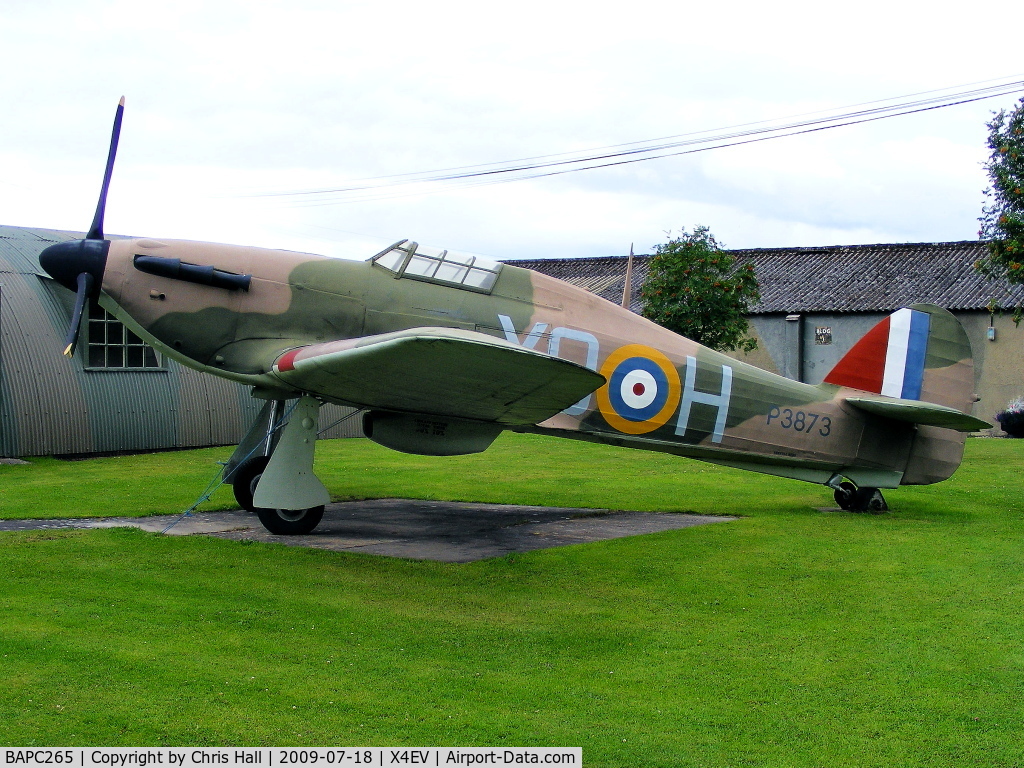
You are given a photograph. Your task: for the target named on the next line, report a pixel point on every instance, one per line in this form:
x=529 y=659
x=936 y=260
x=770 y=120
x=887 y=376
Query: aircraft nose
x=64 y=262
x=77 y=265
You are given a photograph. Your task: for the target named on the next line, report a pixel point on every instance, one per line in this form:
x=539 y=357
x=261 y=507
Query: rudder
x=919 y=352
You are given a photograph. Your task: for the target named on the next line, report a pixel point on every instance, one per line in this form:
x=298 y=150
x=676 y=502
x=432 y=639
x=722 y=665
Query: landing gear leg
x=289 y=499
x=256 y=447
x=293 y=480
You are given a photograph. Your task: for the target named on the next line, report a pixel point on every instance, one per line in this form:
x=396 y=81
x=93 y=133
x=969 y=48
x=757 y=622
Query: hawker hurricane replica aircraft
x=443 y=351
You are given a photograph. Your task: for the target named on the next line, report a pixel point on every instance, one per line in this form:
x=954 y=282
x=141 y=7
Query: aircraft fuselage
x=665 y=392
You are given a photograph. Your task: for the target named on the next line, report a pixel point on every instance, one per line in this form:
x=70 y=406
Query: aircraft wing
x=440 y=371
x=919 y=412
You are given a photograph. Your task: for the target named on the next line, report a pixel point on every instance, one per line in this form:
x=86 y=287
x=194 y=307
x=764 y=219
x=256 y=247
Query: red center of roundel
x=638 y=389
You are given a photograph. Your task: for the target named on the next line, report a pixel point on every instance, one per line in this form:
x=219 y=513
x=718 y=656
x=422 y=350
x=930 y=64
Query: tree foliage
x=1002 y=220
x=696 y=289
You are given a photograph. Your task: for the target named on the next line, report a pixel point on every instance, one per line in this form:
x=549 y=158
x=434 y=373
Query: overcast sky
x=226 y=101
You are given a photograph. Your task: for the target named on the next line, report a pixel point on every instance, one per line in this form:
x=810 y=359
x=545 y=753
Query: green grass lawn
x=791 y=637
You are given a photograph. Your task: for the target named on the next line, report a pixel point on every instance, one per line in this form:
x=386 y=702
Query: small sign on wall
x=823 y=334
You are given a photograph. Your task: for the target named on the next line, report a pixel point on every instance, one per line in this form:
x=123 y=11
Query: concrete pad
x=456 y=532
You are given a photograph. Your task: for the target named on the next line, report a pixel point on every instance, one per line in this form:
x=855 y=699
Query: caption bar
x=278 y=757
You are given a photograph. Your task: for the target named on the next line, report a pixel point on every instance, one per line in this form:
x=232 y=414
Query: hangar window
x=430 y=265
x=111 y=346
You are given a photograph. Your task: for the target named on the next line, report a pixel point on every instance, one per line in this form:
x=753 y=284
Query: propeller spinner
x=79 y=264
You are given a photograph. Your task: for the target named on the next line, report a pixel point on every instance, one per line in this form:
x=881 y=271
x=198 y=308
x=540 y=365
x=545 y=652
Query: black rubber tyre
x=245 y=480
x=280 y=522
x=291 y=522
x=845 y=494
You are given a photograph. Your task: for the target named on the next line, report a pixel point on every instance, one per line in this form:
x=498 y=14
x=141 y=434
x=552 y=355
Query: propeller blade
x=85 y=281
x=96 y=230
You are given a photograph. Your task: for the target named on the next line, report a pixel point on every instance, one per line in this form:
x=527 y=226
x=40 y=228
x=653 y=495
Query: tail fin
x=917 y=353
x=920 y=356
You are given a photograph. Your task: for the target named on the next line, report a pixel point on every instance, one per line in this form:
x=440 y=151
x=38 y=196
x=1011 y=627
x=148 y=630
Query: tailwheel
x=844 y=495
x=280 y=522
x=854 y=499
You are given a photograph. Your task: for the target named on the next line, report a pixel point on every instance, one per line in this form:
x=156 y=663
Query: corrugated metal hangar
x=117 y=394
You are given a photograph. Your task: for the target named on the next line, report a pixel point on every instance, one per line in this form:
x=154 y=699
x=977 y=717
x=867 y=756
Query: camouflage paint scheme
x=443 y=351
x=359 y=334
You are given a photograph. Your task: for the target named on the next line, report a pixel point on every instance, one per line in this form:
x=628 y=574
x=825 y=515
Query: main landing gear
x=281 y=522
x=854 y=499
x=271 y=471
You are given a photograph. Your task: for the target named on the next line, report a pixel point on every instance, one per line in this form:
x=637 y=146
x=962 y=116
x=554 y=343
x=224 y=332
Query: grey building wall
x=792 y=344
x=50 y=405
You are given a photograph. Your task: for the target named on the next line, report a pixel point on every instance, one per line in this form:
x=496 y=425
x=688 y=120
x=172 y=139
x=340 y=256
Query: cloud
x=228 y=99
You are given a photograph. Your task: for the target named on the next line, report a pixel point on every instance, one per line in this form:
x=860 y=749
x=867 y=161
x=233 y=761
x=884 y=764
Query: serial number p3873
x=801 y=421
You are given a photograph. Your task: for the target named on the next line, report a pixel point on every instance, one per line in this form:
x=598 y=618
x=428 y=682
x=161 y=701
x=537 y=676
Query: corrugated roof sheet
x=20 y=247
x=838 y=278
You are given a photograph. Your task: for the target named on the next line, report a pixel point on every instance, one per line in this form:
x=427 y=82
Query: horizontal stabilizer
x=919 y=412
x=441 y=371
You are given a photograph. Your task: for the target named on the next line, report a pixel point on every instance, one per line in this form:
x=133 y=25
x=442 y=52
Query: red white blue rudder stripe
x=889 y=359
x=904 y=357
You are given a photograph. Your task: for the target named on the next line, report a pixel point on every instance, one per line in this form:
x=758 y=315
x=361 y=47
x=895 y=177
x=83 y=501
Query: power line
x=387 y=187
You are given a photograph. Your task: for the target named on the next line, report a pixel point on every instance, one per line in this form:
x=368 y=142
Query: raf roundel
x=642 y=391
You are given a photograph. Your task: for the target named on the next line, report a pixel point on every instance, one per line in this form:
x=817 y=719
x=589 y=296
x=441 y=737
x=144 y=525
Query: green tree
x=696 y=289
x=1002 y=220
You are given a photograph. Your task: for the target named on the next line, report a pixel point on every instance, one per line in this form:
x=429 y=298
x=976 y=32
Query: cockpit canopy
x=418 y=262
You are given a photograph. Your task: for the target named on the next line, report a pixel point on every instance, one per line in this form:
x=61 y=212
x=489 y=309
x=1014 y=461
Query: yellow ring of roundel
x=672 y=401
